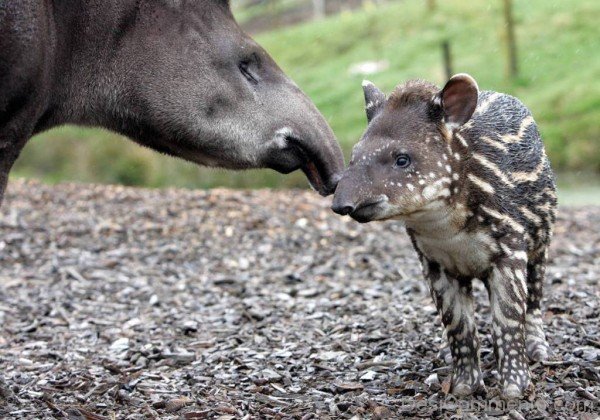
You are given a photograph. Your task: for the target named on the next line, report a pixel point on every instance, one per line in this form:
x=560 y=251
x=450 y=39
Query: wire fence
x=262 y=15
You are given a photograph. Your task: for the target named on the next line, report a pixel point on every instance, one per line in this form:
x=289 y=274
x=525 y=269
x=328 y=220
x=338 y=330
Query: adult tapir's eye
x=403 y=161
x=249 y=67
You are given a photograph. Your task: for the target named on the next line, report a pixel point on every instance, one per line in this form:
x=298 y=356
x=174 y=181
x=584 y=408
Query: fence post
x=447 y=56
x=511 y=43
x=319 y=8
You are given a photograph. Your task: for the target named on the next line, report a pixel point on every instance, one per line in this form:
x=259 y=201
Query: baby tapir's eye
x=403 y=161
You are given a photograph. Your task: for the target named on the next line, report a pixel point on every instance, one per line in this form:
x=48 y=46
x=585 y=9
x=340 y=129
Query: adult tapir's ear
x=458 y=100
x=374 y=99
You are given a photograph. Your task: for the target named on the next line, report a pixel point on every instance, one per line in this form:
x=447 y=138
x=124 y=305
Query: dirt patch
x=131 y=303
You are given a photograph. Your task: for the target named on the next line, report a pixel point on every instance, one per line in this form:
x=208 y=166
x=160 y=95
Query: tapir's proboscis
x=177 y=76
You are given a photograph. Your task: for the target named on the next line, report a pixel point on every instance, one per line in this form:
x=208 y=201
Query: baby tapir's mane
x=412 y=92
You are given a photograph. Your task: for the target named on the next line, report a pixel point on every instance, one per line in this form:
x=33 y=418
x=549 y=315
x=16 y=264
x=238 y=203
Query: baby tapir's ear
x=374 y=99
x=458 y=100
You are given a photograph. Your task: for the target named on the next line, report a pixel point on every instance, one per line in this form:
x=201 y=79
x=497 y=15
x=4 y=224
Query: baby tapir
x=467 y=173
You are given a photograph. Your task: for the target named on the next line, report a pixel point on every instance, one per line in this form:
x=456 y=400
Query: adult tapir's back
x=508 y=154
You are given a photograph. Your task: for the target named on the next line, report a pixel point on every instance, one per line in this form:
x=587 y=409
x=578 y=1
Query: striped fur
x=478 y=202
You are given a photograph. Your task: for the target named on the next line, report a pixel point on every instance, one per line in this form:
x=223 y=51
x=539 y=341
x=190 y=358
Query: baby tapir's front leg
x=454 y=302
x=508 y=297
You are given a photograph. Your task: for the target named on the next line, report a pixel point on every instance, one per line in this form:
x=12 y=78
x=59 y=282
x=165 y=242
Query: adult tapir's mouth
x=314 y=177
x=314 y=168
x=320 y=161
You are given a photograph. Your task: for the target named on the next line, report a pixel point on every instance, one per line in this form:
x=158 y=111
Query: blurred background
x=546 y=52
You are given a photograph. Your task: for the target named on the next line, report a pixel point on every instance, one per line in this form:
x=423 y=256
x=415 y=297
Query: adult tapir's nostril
x=342 y=208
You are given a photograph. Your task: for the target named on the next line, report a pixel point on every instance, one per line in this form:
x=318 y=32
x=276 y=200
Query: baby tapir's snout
x=344 y=200
x=355 y=198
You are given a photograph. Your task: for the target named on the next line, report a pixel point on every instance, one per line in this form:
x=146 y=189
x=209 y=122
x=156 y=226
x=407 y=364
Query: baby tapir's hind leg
x=537 y=347
x=444 y=353
x=508 y=296
x=454 y=302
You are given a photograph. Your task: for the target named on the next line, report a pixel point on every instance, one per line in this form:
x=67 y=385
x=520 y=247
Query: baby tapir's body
x=467 y=172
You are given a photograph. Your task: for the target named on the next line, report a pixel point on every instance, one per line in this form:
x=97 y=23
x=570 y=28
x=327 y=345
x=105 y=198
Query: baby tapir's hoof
x=464 y=390
x=516 y=384
x=445 y=355
x=537 y=351
x=514 y=391
x=468 y=383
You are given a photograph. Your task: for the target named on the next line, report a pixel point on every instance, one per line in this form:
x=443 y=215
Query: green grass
x=559 y=58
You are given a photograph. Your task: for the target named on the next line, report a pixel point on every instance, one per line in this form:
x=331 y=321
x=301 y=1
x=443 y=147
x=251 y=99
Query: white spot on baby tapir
x=448 y=169
x=439 y=164
x=435 y=190
x=431 y=175
x=410 y=187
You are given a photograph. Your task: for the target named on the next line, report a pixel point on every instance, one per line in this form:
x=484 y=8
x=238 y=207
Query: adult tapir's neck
x=84 y=34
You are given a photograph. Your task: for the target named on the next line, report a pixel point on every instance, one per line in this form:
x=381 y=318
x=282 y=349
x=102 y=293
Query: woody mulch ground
x=130 y=303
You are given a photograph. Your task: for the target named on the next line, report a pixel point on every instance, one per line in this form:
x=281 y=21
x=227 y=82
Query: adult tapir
x=178 y=76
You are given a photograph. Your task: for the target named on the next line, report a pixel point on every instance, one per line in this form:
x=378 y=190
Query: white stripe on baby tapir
x=513 y=255
x=531 y=175
x=494 y=143
x=515 y=138
x=520 y=255
x=494 y=168
x=484 y=186
x=461 y=139
x=531 y=216
x=518 y=281
x=505 y=218
x=520 y=276
x=498 y=296
x=546 y=207
x=481 y=108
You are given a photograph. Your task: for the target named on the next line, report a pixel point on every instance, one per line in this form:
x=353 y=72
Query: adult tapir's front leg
x=15 y=130
x=8 y=155
x=508 y=298
x=454 y=302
